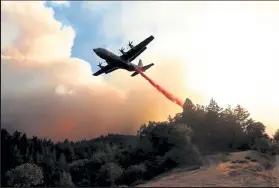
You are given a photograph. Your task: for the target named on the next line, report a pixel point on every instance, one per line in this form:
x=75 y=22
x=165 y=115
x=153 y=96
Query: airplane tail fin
x=140 y=63
x=143 y=68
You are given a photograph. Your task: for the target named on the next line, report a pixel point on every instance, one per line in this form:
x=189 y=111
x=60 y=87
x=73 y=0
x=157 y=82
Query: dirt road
x=239 y=169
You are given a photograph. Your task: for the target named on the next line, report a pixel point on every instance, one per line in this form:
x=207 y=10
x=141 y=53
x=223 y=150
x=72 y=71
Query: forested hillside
x=130 y=159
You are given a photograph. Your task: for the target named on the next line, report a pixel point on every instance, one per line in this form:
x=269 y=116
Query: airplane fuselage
x=123 y=61
x=113 y=59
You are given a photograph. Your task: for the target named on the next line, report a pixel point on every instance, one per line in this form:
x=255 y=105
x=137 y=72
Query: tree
x=213 y=107
x=188 y=115
x=25 y=175
x=231 y=133
x=158 y=135
x=157 y=148
x=6 y=154
x=241 y=115
x=255 y=130
x=17 y=157
x=62 y=161
x=23 y=145
x=78 y=170
x=109 y=173
x=16 y=138
x=276 y=136
x=65 y=180
x=208 y=134
x=179 y=135
x=188 y=155
x=67 y=148
x=262 y=145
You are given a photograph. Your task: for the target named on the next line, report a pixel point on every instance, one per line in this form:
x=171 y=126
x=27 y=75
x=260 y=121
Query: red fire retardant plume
x=162 y=90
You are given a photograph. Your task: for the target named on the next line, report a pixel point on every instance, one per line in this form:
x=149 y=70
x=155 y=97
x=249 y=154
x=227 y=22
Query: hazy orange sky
x=225 y=50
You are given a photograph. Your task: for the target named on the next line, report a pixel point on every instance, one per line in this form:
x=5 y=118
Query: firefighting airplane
x=123 y=61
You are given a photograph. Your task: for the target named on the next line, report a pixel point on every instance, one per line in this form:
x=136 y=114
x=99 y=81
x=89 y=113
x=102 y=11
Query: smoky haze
x=46 y=92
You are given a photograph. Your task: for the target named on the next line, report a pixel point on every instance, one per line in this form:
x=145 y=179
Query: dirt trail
x=238 y=169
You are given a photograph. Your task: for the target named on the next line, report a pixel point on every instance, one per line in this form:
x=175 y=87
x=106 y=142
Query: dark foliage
x=126 y=159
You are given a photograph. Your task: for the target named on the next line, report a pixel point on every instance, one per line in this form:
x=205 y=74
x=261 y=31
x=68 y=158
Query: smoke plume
x=48 y=93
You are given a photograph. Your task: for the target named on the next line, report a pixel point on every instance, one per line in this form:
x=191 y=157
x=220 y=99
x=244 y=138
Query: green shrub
x=155 y=166
x=133 y=174
x=25 y=175
x=65 y=180
x=188 y=155
x=262 y=145
x=108 y=174
x=274 y=150
x=242 y=161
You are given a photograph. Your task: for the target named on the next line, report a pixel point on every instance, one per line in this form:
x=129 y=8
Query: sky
x=222 y=50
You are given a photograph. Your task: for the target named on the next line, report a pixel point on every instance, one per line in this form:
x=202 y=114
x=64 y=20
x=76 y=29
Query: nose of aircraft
x=98 y=51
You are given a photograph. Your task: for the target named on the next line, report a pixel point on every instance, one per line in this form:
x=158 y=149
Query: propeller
x=131 y=44
x=122 y=50
x=100 y=65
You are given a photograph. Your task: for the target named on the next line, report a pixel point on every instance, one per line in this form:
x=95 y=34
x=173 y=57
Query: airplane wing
x=105 y=69
x=137 y=54
x=111 y=70
x=135 y=51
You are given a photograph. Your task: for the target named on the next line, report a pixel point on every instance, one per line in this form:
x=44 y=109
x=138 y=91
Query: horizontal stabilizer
x=144 y=68
x=147 y=66
x=134 y=74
